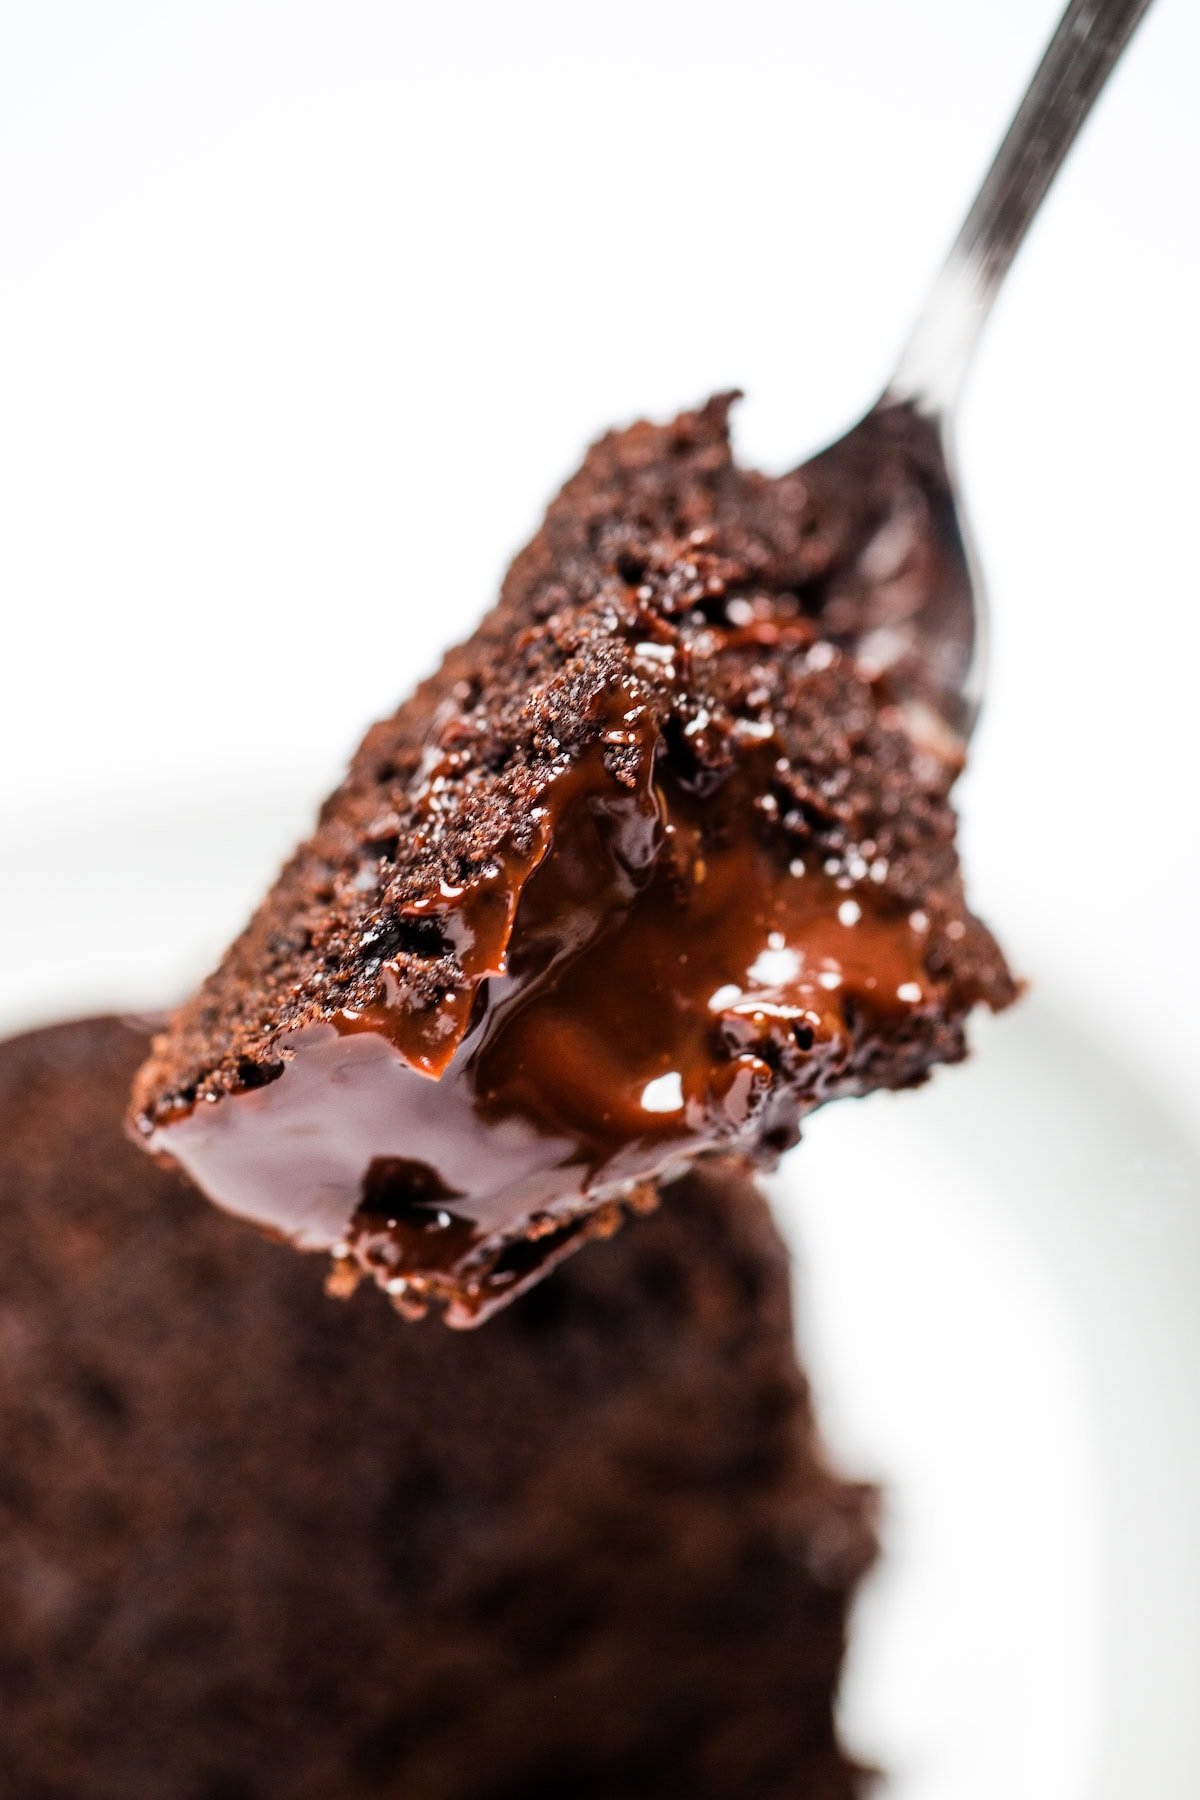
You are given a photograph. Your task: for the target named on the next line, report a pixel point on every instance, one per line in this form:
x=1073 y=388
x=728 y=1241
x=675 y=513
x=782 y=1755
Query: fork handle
x=1078 y=60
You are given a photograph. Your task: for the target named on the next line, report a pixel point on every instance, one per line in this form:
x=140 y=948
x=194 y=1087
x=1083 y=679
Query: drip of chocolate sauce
x=660 y=976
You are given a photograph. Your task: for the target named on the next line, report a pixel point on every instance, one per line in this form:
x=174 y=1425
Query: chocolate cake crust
x=658 y=673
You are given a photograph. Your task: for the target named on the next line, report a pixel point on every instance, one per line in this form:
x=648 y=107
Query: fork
x=908 y=593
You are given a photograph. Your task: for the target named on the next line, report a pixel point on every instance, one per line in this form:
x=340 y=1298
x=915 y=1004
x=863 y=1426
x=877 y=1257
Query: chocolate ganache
x=651 y=868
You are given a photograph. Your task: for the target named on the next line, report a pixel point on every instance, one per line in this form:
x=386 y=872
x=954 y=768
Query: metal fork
x=908 y=592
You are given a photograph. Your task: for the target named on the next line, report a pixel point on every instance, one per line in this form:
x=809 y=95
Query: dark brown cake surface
x=256 y=1545
x=648 y=866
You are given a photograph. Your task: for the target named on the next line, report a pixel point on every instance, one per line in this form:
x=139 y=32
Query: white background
x=305 y=310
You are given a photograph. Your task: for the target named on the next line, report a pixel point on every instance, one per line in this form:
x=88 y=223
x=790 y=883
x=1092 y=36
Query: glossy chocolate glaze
x=662 y=975
x=651 y=866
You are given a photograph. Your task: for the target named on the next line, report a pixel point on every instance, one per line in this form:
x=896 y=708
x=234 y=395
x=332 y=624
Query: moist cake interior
x=258 y=1545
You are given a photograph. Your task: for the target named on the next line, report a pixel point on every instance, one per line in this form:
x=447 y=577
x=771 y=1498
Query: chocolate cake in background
x=651 y=866
x=259 y=1545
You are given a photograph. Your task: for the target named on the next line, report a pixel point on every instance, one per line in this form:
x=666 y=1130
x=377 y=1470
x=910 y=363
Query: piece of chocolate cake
x=651 y=866
x=256 y=1545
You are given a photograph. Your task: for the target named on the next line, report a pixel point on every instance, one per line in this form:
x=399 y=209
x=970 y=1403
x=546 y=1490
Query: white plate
x=998 y=1284
x=998 y=1281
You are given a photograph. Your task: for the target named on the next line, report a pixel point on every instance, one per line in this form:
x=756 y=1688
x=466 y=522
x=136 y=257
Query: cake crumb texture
x=260 y=1545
